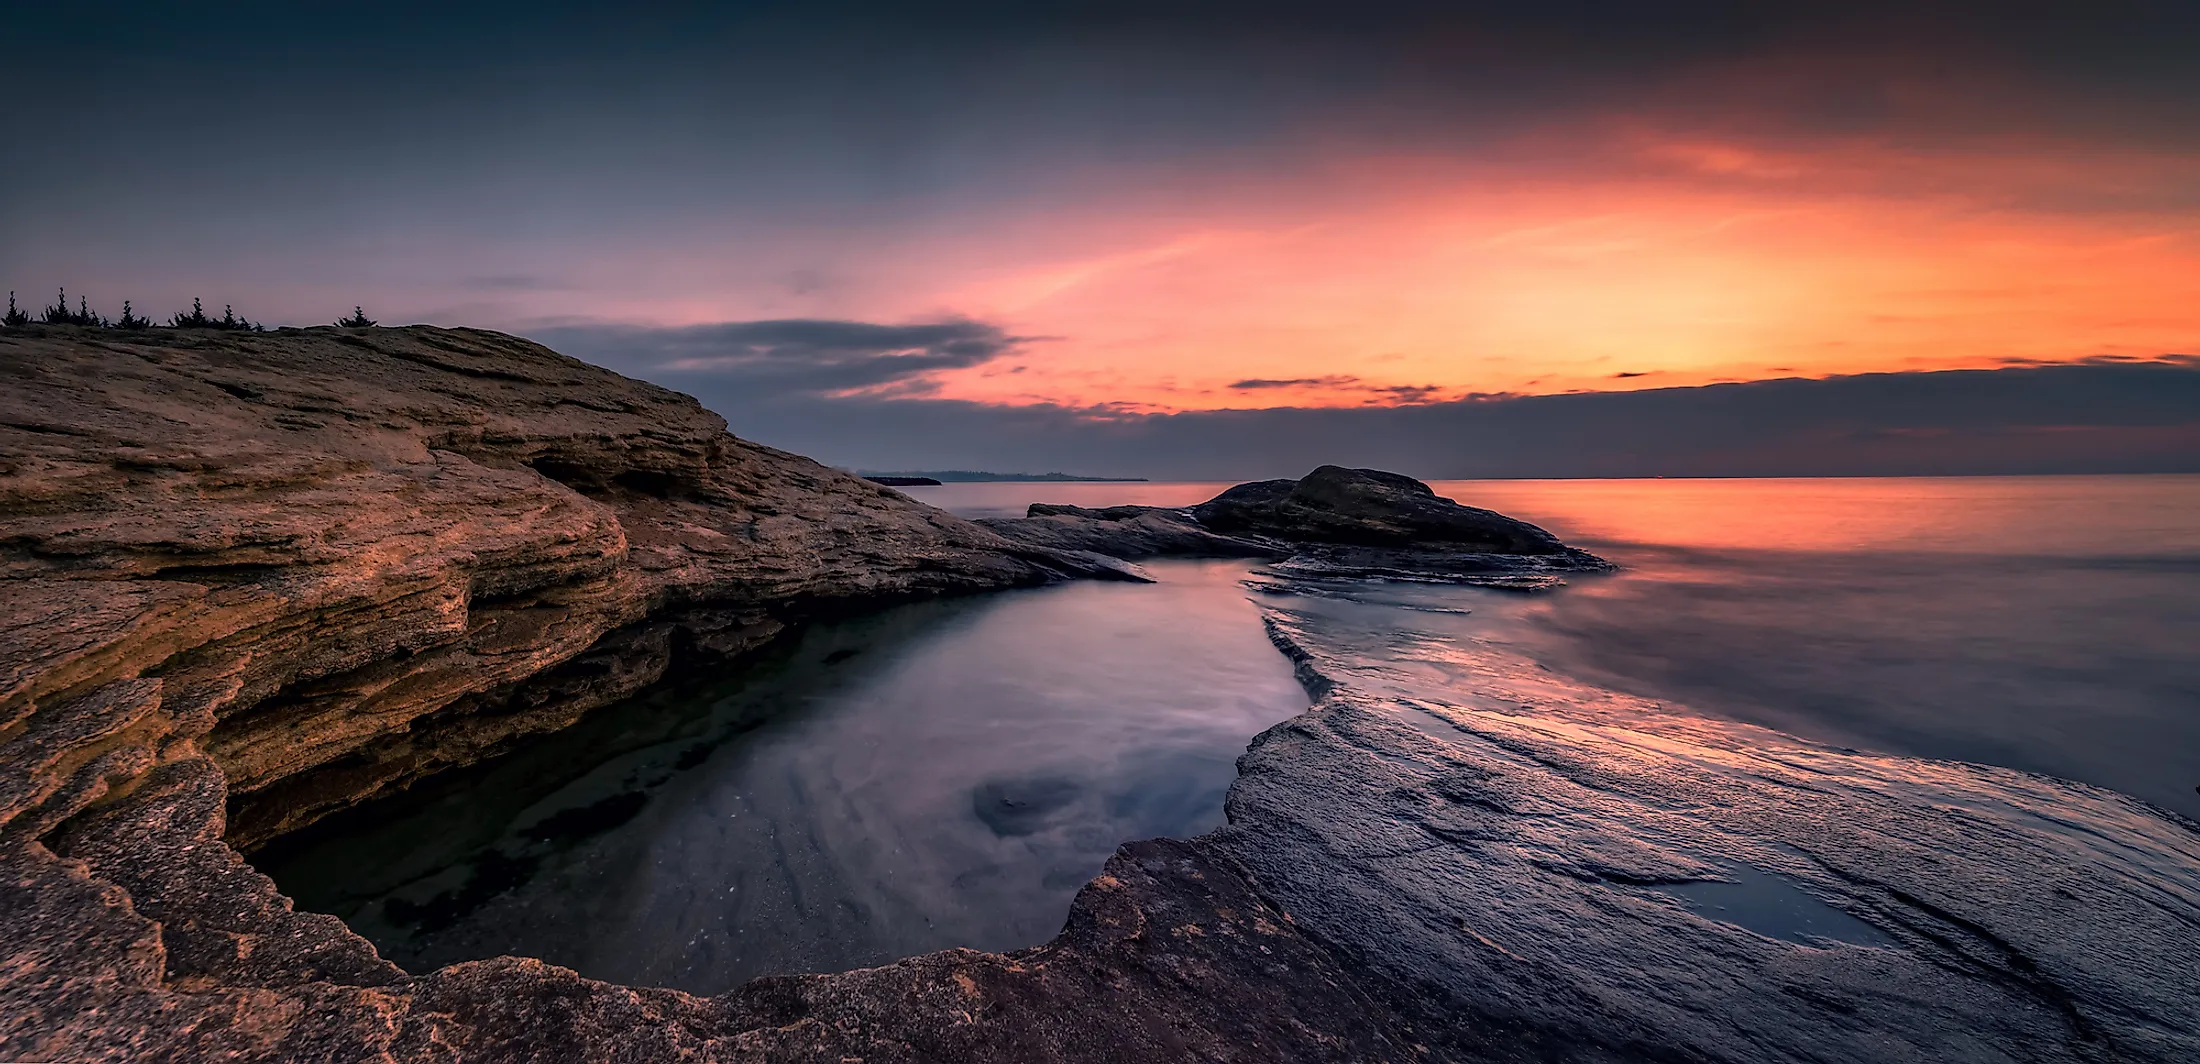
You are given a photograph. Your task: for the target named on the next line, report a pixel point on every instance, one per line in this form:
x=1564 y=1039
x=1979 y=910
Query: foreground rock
x=336 y=561
x=1332 y=522
x=251 y=579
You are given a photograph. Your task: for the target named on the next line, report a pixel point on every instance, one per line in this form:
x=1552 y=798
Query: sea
x=949 y=773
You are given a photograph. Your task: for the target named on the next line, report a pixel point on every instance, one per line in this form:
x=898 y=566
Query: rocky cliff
x=335 y=560
x=248 y=579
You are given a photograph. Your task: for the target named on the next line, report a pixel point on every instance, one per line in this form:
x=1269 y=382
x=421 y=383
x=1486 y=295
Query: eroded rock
x=246 y=580
x=352 y=558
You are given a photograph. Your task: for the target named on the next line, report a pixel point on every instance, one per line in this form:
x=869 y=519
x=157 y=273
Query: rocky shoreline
x=253 y=579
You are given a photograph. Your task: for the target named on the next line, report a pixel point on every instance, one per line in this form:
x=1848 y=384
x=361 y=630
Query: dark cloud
x=1381 y=394
x=792 y=356
x=2111 y=417
x=1406 y=394
x=1257 y=383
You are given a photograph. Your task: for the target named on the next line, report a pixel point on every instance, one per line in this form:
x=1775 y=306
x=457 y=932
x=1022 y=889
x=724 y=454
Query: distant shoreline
x=972 y=476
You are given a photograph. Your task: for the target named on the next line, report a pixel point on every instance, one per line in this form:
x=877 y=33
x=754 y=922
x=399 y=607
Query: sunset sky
x=1143 y=213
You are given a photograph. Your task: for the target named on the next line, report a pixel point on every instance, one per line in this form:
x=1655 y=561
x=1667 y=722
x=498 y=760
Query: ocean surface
x=947 y=774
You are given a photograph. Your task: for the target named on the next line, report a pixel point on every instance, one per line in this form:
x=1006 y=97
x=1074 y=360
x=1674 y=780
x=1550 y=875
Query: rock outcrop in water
x=1332 y=522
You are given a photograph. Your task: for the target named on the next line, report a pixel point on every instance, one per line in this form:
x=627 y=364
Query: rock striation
x=337 y=560
x=250 y=579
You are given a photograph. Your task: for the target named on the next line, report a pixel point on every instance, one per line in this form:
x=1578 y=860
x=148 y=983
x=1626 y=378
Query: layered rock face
x=338 y=560
x=249 y=579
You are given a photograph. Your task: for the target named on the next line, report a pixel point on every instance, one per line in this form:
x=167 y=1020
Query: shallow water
x=941 y=774
x=2040 y=623
x=948 y=774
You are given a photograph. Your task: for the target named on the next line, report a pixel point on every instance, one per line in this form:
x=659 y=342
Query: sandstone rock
x=380 y=553
x=246 y=580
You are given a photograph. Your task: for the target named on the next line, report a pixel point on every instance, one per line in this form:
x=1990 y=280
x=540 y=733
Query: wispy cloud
x=1334 y=381
x=795 y=356
x=1378 y=394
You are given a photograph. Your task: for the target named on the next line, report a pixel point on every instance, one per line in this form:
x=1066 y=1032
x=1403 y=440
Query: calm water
x=940 y=774
x=2050 y=624
x=947 y=774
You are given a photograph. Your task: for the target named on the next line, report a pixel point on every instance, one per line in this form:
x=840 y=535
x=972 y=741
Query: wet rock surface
x=1530 y=868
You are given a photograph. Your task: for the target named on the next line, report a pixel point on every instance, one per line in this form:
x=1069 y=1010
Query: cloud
x=1256 y=383
x=2084 y=418
x=1380 y=394
x=791 y=356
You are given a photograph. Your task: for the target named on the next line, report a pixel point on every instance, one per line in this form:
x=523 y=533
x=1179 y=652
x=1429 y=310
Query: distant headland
x=972 y=476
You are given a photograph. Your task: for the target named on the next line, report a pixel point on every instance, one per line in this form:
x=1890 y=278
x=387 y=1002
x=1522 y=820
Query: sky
x=880 y=236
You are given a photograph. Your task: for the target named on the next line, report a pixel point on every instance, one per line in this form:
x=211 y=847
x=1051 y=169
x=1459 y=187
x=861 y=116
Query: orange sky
x=1352 y=205
x=1731 y=264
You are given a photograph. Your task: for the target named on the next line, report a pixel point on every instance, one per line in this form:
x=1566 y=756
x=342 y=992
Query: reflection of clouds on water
x=944 y=774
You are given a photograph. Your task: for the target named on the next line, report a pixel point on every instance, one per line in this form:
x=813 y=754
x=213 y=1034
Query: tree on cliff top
x=60 y=314
x=358 y=320
x=198 y=319
x=16 y=318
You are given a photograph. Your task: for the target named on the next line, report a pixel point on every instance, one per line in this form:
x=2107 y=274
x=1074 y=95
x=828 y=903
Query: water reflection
x=2039 y=623
x=943 y=774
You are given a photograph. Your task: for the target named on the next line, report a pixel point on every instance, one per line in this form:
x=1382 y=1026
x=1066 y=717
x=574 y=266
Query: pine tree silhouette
x=16 y=319
x=358 y=320
x=129 y=319
x=197 y=319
